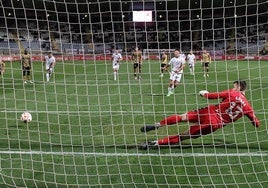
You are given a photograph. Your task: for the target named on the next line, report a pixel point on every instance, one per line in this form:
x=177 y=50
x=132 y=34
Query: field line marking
x=93 y=111
x=252 y=154
x=87 y=112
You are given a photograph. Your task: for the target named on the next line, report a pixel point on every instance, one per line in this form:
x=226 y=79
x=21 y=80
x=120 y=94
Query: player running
x=164 y=61
x=117 y=57
x=26 y=63
x=232 y=107
x=191 y=62
x=50 y=63
x=177 y=63
x=136 y=58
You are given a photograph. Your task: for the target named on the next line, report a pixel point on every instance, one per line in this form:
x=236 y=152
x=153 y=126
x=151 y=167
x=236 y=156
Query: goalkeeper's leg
x=194 y=132
x=191 y=116
x=167 y=121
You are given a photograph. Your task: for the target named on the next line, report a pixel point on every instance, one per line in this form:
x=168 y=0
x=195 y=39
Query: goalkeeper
x=232 y=107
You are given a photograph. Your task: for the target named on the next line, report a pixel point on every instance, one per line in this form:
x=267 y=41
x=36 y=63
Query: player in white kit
x=182 y=55
x=191 y=62
x=50 y=63
x=117 y=57
x=177 y=64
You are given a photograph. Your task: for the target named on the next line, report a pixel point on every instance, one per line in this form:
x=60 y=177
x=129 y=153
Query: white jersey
x=50 y=62
x=191 y=58
x=183 y=56
x=176 y=63
x=116 y=58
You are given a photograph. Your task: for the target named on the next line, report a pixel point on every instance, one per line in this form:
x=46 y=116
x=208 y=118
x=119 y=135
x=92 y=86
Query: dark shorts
x=207 y=120
x=205 y=64
x=136 y=65
x=163 y=65
x=26 y=70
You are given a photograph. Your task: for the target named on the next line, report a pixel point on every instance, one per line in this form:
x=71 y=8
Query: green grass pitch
x=86 y=128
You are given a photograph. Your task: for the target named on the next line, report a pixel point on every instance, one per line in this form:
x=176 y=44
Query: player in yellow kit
x=164 y=61
x=206 y=60
x=26 y=63
x=136 y=58
x=2 y=66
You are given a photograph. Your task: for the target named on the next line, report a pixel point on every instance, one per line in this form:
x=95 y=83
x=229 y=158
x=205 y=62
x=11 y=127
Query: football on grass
x=26 y=117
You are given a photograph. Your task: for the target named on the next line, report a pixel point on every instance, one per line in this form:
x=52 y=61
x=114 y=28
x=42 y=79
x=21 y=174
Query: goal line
x=249 y=154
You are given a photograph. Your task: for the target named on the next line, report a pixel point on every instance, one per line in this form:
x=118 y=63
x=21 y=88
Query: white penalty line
x=95 y=112
x=96 y=154
x=85 y=112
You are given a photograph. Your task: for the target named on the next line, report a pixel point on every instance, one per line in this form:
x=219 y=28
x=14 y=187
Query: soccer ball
x=26 y=117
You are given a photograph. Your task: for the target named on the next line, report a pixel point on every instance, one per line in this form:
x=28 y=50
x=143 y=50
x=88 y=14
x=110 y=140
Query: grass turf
x=86 y=128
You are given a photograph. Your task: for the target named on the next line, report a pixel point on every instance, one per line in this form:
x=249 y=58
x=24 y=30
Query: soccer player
x=232 y=107
x=136 y=58
x=177 y=64
x=2 y=66
x=191 y=62
x=182 y=54
x=26 y=63
x=164 y=61
x=206 y=60
x=117 y=57
x=50 y=64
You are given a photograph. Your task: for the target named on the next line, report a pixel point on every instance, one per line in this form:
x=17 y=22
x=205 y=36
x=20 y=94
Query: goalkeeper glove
x=203 y=92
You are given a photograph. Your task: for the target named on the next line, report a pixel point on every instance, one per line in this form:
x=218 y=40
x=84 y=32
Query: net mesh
x=85 y=129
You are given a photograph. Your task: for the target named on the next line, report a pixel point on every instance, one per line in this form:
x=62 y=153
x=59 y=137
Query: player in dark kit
x=164 y=61
x=26 y=66
x=232 y=107
x=136 y=58
x=206 y=60
x=2 y=66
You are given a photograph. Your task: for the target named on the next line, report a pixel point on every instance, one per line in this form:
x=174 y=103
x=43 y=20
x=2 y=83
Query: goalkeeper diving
x=209 y=119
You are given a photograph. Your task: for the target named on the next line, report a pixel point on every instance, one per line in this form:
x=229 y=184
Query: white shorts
x=49 y=69
x=116 y=66
x=175 y=76
x=191 y=65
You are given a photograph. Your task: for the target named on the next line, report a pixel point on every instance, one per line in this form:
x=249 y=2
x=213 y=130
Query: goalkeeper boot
x=147 y=128
x=146 y=145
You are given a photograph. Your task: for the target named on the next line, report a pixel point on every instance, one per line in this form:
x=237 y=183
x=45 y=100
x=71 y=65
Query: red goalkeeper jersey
x=233 y=106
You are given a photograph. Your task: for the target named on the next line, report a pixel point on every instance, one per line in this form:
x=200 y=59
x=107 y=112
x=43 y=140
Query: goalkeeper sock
x=171 y=120
x=169 y=140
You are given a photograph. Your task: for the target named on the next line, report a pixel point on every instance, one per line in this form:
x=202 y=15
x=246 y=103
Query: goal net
x=87 y=119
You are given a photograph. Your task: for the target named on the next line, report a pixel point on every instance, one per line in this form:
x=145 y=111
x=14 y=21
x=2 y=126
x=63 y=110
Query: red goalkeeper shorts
x=207 y=119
